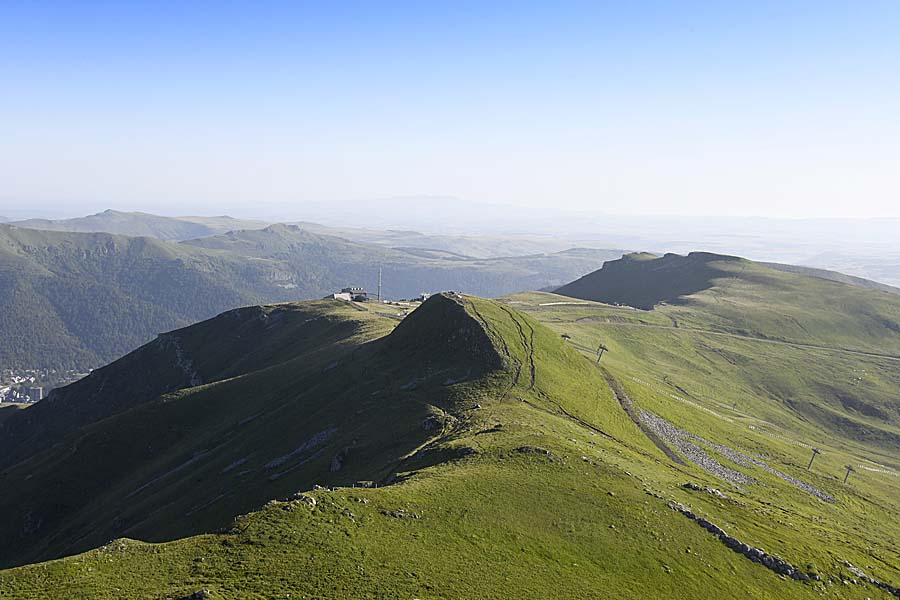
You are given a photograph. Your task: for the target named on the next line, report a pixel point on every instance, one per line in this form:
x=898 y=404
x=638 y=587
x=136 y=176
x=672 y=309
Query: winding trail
x=504 y=348
x=527 y=344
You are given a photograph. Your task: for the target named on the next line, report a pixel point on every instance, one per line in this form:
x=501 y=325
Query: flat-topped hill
x=644 y=280
x=738 y=296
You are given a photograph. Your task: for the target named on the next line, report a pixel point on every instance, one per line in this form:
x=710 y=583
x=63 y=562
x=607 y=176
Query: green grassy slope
x=75 y=300
x=515 y=473
x=833 y=276
x=128 y=451
x=764 y=399
x=736 y=296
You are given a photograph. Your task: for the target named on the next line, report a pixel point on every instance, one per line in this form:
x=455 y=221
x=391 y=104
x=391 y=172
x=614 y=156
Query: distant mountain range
x=474 y=246
x=866 y=248
x=136 y=224
x=77 y=300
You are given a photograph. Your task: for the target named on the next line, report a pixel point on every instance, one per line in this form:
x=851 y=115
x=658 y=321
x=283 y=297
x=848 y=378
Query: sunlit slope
x=508 y=470
x=733 y=295
x=770 y=401
x=186 y=433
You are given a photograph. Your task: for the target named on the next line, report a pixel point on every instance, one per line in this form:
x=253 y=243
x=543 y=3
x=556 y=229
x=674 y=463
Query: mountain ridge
x=140 y=224
x=324 y=450
x=737 y=296
x=77 y=300
x=425 y=376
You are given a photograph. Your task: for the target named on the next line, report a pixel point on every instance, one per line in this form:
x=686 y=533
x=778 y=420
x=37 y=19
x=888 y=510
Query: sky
x=780 y=109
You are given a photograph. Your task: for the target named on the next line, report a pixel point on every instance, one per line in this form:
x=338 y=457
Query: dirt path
x=527 y=344
x=504 y=348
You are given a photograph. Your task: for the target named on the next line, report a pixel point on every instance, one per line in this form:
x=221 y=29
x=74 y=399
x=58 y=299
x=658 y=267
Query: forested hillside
x=78 y=300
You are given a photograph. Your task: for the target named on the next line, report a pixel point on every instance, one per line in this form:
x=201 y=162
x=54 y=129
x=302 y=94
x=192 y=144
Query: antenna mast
x=379 y=284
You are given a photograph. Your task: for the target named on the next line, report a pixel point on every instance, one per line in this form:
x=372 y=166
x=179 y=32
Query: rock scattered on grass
x=203 y=594
x=536 y=450
x=305 y=498
x=400 y=514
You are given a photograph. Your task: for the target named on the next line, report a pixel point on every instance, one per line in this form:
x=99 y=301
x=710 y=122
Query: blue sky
x=778 y=109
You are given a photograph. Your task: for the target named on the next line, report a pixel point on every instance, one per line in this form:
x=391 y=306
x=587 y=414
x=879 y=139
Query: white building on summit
x=353 y=293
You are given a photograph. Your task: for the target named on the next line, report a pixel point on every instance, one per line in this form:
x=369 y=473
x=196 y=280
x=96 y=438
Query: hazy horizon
x=763 y=110
x=298 y=212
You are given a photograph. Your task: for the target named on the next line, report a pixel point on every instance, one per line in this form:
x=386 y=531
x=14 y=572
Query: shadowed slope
x=643 y=280
x=79 y=300
x=234 y=343
x=212 y=421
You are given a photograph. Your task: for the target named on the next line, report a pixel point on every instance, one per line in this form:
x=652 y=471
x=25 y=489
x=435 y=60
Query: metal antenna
x=379 y=284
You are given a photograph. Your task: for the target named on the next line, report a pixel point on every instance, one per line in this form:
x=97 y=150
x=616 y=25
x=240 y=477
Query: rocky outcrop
x=200 y=595
x=689 y=445
x=539 y=451
x=860 y=574
x=757 y=555
x=699 y=488
x=172 y=342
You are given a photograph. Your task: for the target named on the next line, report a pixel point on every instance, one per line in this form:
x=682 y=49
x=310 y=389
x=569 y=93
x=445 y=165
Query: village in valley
x=26 y=386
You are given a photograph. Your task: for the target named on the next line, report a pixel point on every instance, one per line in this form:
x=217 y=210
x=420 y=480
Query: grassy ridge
x=530 y=486
x=765 y=399
x=190 y=459
x=80 y=300
x=138 y=224
x=731 y=295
